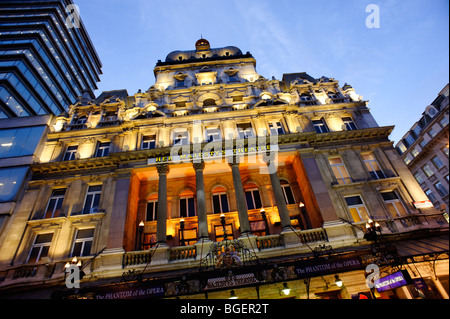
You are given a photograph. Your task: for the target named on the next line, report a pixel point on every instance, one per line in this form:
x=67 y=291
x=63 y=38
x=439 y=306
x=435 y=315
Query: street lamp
x=182 y=232
x=338 y=281
x=266 y=224
x=233 y=295
x=372 y=230
x=74 y=263
x=140 y=231
x=222 y=221
x=286 y=290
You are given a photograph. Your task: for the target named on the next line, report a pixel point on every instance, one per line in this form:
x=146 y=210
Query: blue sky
x=400 y=67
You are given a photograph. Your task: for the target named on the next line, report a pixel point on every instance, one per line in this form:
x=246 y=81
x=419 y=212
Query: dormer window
x=209 y=102
x=180 y=79
x=232 y=75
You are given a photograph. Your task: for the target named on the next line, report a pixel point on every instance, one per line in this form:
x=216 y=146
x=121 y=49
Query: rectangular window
x=92 y=199
x=437 y=162
x=40 y=248
x=445 y=150
x=103 y=149
x=401 y=147
x=219 y=234
x=419 y=178
x=287 y=192
x=372 y=166
x=148 y=142
x=414 y=152
x=432 y=133
x=179 y=83
x=444 y=121
x=253 y=199
x=431 y=196
x=187 y=207
x=357 y=208
x=70 y=153
x=320 y=126
x=339 y=170
x=189 y=236
x=54 y=204
x=152 y=210
x=409 y=139
x=245 y=130
x=213 y=135
x=220 y=203
x=276 y=128
x=349 y=124
x=181 y=138
x=394 y=204
x=83 y=242
x=427 y=170
x=441 y=189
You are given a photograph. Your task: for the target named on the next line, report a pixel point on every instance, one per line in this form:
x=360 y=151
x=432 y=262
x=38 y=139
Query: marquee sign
x=312 y=268
x=395 y=280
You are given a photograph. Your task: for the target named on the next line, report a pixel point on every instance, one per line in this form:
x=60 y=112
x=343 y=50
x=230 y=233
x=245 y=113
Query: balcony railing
x=267 y=242
x=182 y=253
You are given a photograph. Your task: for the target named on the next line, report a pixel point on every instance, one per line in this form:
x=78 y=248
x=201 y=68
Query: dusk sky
x=399 y=67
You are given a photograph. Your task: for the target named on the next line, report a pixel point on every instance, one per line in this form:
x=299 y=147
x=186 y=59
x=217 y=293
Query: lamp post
x=372 y=230
x=183 y=243
x=222 y=221
x=264 y=217
x=140 y=231
x=338 y=281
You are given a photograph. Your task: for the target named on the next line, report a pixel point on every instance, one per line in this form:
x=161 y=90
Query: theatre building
x=217 y=182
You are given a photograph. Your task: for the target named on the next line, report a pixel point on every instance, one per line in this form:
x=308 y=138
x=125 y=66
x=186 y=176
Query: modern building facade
x=424 y=149
x=218 y=182
x=47 y=60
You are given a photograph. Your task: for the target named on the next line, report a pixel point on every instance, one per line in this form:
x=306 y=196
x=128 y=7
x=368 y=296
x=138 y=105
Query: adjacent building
x=47 y=59
x=217 y=182
x=424 y=149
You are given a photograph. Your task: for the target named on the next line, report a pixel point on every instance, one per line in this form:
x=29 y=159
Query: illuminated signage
x=395 y=280
x=423 y=204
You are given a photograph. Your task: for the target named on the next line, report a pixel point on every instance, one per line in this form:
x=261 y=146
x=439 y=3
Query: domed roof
x=202 y=51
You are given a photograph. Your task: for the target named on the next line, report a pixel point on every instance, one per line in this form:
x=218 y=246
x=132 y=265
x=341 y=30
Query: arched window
x=187 y=204
x=287 y=191
x=209 y=102
x=252 y=196
x=220 y=200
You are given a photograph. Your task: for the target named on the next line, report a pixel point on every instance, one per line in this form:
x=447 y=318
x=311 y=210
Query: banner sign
x=395 y=280
x=127 y=292
x=312 y=268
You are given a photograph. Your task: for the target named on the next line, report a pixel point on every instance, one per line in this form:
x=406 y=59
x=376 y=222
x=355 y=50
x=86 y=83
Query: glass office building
x=45 y=62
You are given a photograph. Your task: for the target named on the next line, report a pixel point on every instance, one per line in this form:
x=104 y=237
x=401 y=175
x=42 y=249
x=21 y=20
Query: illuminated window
x=70 y=153
x=40 y=248
x=357 y=208
x=394 y=205
x=427 y=170
x=83 y=242
x=401 y=148
x=219 y=234
x=372 y=166
x=189 y=236
x=339 y=170
x=92 y=199
x=220 y=200
x=54 y=204
x=419 y=178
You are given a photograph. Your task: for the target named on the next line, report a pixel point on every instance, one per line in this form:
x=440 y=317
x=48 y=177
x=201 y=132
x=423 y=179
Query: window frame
x=187 y=205
x=59 y=199
x=221 y=202
x=94 y=194
x=320 y=126
x=83 y=241
x=338 y=167
x=286 y=185
x=150 y=140
x=393 y=202
x=278 y=129
x=357 y=208
x=103 y=149
x=154 y=212
x=243 y=132
x=252 y=191
x=350 y=125
x=40 y=246
x=71 y=151
x=374 y=173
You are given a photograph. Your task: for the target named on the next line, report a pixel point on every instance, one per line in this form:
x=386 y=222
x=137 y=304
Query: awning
x=423 y=246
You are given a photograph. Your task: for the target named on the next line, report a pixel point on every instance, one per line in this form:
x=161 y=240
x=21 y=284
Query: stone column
x=161 y=223
x=240 y=197
x=201 y=201
x=278 y=194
